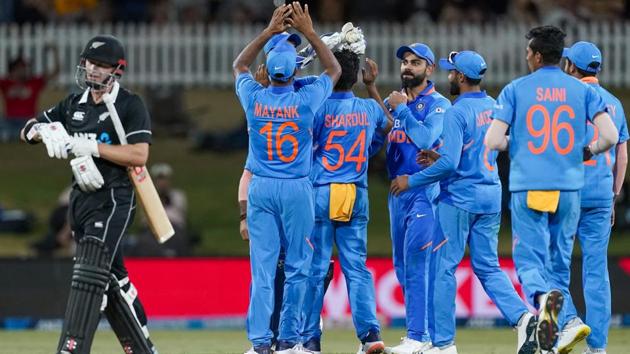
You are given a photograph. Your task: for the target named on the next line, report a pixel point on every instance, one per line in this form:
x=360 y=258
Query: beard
x=454 y=89
x=416 y=80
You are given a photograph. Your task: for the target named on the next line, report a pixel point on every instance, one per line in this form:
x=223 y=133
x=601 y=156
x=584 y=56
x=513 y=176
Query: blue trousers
x=480 y=232
x=543 y=243
x=280 y=213
x=412 y=226
x=593 y=235
x=351 y=240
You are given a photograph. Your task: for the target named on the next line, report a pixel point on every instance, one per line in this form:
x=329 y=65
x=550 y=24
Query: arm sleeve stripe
x=138 y=132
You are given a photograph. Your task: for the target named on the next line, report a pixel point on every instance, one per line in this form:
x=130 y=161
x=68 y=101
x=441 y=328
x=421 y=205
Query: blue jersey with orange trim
x=547 y=112
x=342 y=133
x=417 y=125
x=279 y=124
x=598 y=177
x=467 y=169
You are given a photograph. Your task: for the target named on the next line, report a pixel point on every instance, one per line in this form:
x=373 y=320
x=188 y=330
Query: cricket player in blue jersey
x=603 y=177
x=343 y=130
x=546 y=113
x=418 y=113
x=469 y=209
x=280 y=203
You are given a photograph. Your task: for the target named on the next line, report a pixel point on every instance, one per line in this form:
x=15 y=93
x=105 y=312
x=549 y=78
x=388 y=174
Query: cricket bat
x=147 y=194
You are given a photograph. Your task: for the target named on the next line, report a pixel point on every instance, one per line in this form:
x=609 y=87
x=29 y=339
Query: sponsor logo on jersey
x=78 y=116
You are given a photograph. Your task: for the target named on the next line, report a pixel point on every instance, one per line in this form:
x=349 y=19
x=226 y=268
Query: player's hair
x=349 y=62
x=548 y=41
x=472 y=82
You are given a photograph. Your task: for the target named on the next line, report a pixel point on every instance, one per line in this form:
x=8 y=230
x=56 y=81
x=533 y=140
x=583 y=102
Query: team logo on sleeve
x=439 y=110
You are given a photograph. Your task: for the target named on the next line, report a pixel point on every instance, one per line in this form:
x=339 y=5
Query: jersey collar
x=478 y=94
x=427 y=91
x=114 y=93
x=342 y=95
x=281 y=89
x=592 y=80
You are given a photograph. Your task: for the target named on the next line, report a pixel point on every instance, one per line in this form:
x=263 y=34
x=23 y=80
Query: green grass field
x=469 y=341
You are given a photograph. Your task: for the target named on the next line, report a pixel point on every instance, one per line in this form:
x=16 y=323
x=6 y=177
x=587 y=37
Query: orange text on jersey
x=551 y=94
x=353 y=119
x=483 y=118
x=398 y=137
x=286 y=112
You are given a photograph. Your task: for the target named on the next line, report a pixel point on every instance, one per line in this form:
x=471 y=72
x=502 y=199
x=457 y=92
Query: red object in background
x=20 y=98
x=192 y=287
x=219 y=287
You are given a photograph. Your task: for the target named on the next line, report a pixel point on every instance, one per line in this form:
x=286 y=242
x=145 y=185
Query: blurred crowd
x=207 y=11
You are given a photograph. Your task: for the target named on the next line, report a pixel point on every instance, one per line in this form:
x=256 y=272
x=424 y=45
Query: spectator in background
x=20 y=91
x=176 y=205
x=58 y=237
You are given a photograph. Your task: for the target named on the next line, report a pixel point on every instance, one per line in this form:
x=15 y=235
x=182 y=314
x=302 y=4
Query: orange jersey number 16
x=267 y=129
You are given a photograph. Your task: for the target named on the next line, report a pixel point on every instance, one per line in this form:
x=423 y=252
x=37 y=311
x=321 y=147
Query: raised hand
x=369 y=72
x=279 y=20
x=261 y=75
x=396 y=97
x=300 y=18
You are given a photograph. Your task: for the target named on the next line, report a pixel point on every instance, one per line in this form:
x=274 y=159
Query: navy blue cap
x=467 y=62
x=280 y=38
x=281 y=61
x=585 y=55
x=421 y=50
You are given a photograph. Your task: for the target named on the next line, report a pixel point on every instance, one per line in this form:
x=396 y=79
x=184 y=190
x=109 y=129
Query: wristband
x=27 y=128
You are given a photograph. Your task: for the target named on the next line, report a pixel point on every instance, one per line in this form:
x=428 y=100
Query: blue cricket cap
x=421 y=50
x=281 y=61
x=585 y=55
x=280 y=38
x=467 y=62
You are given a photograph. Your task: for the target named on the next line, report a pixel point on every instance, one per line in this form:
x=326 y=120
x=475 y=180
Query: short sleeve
x=303 y=81
x=246 y=86
x=137 y=122
x=594 y=103
x=623 y=129
x=55 y=113
x=316 y=93
x=504 y=107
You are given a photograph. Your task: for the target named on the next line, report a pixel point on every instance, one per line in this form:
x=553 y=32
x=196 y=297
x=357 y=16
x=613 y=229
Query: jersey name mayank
x=282 y=112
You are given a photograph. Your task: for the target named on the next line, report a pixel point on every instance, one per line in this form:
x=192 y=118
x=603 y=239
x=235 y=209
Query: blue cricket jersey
x=342 y=133
x=547 y=112
x=279 y=124
x=598 y=177
x=417 y=126
x=467 y=169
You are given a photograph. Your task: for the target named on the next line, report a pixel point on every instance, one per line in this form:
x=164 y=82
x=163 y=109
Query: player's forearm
x=608 y=134
x=495 y=136
x=243 y=185
x=29 y=124
x=441 y=169
x=375 y=95
x=619 y=169
x=130 y=155
x=247 y=56
x=325 y=55
x=422 y=134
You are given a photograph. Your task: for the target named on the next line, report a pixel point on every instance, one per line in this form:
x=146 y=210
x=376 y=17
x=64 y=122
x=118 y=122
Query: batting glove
x=86 y=174
x=83 y=146
x=54 y=136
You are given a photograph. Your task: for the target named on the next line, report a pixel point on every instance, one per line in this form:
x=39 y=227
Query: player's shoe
x=451 y=349
x=263 y=349
x=526 y=334
x=408 y=346
x=313 y=346
x=590 y=350
x=547 y=326
x=572 y=333
x=371 y=344
x=284 y=347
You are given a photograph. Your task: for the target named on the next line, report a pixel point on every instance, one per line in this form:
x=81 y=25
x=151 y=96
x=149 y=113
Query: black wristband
x=242 y=217
x=27 y=128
